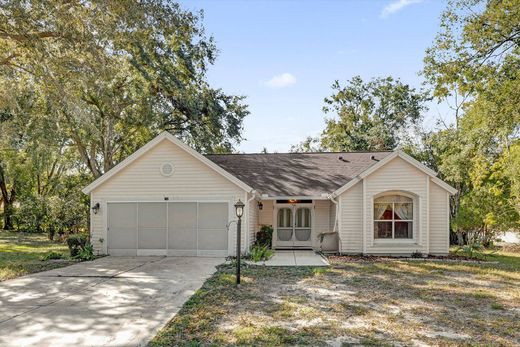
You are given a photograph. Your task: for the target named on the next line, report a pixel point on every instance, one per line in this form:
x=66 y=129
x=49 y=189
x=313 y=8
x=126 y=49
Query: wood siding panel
x=321 y=221
x=439 y=233
x=265 y=217
x=142 y=180
x=397 y=175
x=351 y=220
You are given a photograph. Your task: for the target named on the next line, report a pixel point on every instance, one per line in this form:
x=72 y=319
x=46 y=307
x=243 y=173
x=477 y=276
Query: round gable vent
x=166 y=169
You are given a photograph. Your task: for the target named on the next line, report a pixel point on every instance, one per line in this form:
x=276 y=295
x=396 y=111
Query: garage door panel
x=182 y=226
x=213 y=219
x=213 y=239
x=152 y=224
x=173 y=228
x=122 y=228
x=213 y=215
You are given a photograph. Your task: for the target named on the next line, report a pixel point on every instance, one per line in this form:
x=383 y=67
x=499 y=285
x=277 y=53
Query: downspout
x=335 y=228
x=253 y=193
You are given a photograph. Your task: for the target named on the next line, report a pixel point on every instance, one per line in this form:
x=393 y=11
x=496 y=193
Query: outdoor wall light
x=96 y=207
x=260 y=206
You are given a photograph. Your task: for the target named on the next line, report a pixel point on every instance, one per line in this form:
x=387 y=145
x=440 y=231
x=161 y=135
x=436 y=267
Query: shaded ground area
x=20 y=254
x=112 y=301
x=390 y=302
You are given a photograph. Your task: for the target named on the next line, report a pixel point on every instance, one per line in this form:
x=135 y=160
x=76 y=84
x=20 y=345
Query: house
x=168 y=199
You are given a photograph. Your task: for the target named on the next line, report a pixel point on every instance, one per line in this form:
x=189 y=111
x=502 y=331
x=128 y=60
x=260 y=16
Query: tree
x=476 y=56
x=115 y=73
x=374 y=115
x=310 y=144
x=34 y=154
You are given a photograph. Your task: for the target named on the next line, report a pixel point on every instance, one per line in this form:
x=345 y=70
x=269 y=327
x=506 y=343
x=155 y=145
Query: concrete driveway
x=112 y=301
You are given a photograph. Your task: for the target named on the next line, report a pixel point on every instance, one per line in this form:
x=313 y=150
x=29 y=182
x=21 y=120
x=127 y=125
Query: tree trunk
x=8 y=215
x=8 y=200
x=460 y=238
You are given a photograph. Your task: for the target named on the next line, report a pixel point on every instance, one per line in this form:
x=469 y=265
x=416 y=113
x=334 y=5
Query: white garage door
x=168 y=228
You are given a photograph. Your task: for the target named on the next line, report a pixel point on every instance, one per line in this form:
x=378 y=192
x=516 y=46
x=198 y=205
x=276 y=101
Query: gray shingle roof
x=297 y=174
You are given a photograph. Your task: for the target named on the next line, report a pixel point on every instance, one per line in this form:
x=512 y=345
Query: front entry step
x=295 y=258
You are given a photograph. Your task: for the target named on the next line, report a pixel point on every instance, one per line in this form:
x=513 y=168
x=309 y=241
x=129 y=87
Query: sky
x=285 y=55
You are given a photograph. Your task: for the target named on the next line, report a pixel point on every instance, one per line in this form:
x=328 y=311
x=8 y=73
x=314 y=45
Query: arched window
x=393 y=217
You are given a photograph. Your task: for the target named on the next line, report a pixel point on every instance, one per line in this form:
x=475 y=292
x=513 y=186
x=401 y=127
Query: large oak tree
x=114 y=73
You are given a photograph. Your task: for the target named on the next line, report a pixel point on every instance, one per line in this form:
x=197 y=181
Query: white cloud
x=397 y=5
x=280 y=81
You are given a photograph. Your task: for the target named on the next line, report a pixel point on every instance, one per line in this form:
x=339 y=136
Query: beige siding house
x=167 y=199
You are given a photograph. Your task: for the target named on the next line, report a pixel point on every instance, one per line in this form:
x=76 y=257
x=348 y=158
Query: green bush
x=87 y=253
x=264 y=237
x=259 y=253
x=76 y=243
x=54 y=214
x=33 y=213
x=472 y=250
x=51 y=255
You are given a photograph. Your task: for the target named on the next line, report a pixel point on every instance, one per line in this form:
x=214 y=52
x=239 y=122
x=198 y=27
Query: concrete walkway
x=112 y=301
x=296 y=258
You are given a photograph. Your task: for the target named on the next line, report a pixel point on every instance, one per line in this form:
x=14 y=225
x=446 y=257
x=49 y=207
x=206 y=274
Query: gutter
x=331 y=197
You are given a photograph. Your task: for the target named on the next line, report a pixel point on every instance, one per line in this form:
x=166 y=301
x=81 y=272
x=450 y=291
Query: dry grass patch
x=393 y=302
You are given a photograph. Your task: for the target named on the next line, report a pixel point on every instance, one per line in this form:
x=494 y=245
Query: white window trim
x=414 y=220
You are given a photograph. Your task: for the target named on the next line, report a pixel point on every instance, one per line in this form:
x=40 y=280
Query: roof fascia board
x=107 y=175
x=208 y=162
x=416 y=163
x=384 y=161
x=346 y=187
x=152 y=143
x=444 y=185
x=295 y=197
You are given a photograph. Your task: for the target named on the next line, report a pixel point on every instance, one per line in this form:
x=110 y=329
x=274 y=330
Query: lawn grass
x=20 y=254
x=381 y=302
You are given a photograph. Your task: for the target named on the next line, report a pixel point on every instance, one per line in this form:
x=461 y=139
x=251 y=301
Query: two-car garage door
x=168 y=228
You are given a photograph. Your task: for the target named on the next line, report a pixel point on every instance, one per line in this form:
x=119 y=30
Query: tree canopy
x=85 y=83
x=476 y=57
x=473 y=65
x=114 y=73
x=367 y=116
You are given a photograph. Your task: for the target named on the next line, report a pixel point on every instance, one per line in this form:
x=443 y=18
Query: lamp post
x=239 y=209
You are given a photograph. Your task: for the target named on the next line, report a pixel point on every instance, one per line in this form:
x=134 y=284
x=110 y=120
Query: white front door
x=293 y=227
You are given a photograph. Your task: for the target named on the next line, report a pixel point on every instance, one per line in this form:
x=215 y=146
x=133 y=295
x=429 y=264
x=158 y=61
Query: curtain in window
x=379 y=210
x=403 y=211
x=393 y=215
x=393 y=198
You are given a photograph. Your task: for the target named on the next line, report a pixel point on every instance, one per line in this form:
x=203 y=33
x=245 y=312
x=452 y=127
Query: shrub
x=52 y=214
x=264 y=237
x=76 y=244
x=472 y=250
x=259 y=253
x=417 y=254
x=51 y=255
x=33 y=213
x=87 y=253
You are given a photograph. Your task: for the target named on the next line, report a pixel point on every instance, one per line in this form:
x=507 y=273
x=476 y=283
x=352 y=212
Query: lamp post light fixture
x=239 y=209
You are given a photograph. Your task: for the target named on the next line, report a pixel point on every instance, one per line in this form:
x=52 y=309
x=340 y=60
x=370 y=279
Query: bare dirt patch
x=381 y=302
